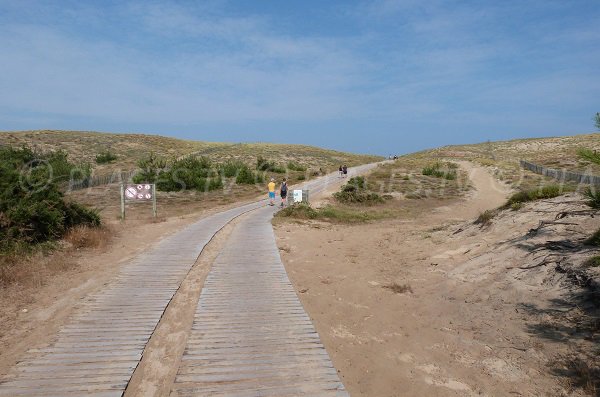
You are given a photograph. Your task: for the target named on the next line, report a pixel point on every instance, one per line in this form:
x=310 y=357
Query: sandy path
x=488 y=193
x=454 y=331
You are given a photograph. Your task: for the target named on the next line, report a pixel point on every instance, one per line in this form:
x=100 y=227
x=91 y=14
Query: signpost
x=142 y=192
x=299 y=196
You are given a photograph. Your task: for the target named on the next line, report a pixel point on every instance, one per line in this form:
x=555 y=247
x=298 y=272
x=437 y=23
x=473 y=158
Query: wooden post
x=122 y=202
x=154 y=200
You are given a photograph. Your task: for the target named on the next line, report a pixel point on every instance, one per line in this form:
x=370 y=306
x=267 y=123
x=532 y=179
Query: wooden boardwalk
x=251 y=336
x=96 y=353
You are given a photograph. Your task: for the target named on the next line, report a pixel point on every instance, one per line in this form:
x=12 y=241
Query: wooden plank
x=96 y=352
x=251 y=336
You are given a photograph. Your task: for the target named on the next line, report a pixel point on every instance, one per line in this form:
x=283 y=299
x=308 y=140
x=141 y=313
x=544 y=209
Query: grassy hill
x=129 y=148
x=408 y=178
x=503 y=157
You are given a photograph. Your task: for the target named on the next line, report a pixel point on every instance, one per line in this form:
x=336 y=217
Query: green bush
x=594 y=239
x=192 y=173
x=546 y=192
x=485 y=218
x=265 y=165
x=589 y=155
x=248 y=177
x=299 y=211
x=295 y=167
x=593 y=198
x=150 y=167
x=594 y=261
x=105 y=157
x=231 y=168
x=437 y=170
x=354 y=192
x=328 y=213
x=32 y=206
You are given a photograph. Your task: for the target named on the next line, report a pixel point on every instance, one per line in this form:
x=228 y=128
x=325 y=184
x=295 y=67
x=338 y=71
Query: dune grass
x=130 y=148
x=330 y=213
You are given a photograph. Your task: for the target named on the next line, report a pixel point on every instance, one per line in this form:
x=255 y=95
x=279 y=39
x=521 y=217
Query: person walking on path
x=272 y=192
x=345 y=170
x=283 y=192
x=341 y=171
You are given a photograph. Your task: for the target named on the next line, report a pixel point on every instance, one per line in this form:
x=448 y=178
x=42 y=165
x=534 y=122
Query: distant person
x=272 y=192
x=283 y=190
x=341 y=171
x=345 y=170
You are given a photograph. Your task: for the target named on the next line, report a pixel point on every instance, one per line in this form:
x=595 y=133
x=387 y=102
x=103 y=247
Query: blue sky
x=380 y=76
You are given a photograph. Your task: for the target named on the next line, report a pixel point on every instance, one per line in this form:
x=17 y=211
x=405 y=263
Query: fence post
x=122 y=201
x=154 y=200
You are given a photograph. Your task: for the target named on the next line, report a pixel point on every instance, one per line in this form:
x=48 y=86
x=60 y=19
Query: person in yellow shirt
x=272 y=192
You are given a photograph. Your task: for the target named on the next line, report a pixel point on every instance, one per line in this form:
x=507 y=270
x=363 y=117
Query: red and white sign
x=138 y=192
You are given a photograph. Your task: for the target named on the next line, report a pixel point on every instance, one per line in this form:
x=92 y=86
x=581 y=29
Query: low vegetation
x=441 y=170
x=593 y=197
x=248 y=177
x=399 y=288
x=594 y=261
x=589 y=155
x=292 y=166
x=33 y=209
x=355 y=192
x=485 y=218
x=302 y=211
x=193 y=173
x=594 y=239
x=405 y=177
x=106 y=157
x=262 y=164
x=545 y=192
x=83 y=147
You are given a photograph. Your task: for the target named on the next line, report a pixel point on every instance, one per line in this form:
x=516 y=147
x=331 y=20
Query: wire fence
x=561 y=175
x=93 y=181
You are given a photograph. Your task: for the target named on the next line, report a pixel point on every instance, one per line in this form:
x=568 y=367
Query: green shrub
x=248 y=177
x=105 y=157
x=265 y=165
x=192 y=173
x=594 y=239
x=301 y=177
x=299 y=211
x=594 y=261
x=516 y=206
x=295 y=167
x=437 y=170
x=32 y=206
x=231 y=168
x=546 y=192
x=593 y=198
x=485 y=218
x=354 y=192
x=328 y=213
x=589 y=155
x=150 y=167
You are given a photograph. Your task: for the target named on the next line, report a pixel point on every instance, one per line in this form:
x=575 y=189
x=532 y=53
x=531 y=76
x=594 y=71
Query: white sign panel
x=297 y=196
x=138 y=192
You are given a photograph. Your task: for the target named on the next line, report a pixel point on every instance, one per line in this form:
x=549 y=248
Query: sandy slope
x=463 y=330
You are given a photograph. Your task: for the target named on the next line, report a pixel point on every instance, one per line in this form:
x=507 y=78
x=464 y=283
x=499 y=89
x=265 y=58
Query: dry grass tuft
x=88 y=237
x=34 y=269
x=399 y=288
